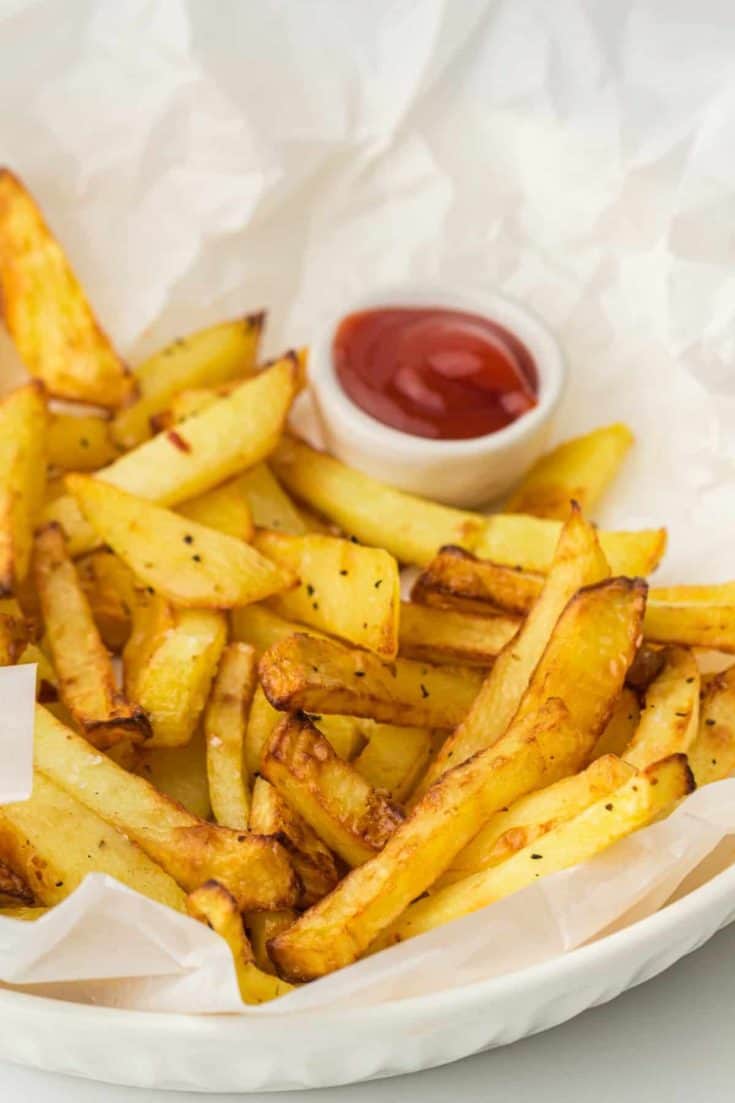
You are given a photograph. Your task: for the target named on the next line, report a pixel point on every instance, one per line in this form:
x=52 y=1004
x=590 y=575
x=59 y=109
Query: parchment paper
x=203 y=160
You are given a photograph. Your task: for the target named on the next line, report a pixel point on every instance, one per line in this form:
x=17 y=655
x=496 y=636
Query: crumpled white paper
x=199 y=161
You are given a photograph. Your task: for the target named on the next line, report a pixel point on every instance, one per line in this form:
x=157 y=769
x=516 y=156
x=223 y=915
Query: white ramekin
x=458 y=472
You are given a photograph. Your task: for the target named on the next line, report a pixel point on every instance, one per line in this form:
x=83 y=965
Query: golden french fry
x=260 y=627
x=621 y=727
x=27 y=915
x=712 y=753
x=14 y=636
x=255 y=869
x=188 y=563
x=670 y=715
x=46 y=311
x=710 y=626
x=450 y=636
x=457 y=579
x=208 y=357
x=76 y=443
x=636 y=803
x=337 y=930
x=22 y=475
x=270 y=506
x=395 y=758
x=225 y=508
x=86 y=679
x=344 y=589
x=342 y=808
x=225 y=724
x=109 y=587
x=177 y=772
x=261 y=928
x=580 y=469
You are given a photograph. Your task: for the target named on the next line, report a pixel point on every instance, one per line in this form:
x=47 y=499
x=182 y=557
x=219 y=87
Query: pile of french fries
x=238 y=715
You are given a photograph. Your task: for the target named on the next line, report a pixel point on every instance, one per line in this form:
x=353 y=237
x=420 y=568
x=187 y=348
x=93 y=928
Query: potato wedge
x=46 y=311
x=670 y=715
x=255 y=869
x=206 y=358
x=531 y=817
x=621 y=727
x=269 y=503
x=449 y=636
x=85 y=676
x=22 y=478
x=232 y=434
x=225 y=508
x=580 y=469
x=110 y=589
x=395 y=758
x=323 y=676
x=169 y=663
x=578 y=562
x=225 y=724
x=411 y=529
x=712 y=753
x=457 y=579
x=261 y=928
x=348 y=814
x=337 y=930
x=177 y=772
x=188 y=563
x=635 y=804
x=76 y=443
x=271 y=814
x=14 y=890
x=53 y=841
x=344 y=589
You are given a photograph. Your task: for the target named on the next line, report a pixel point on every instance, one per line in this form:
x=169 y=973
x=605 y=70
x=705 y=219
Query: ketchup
x=433 y=372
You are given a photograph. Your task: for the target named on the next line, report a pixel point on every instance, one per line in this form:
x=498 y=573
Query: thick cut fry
x=14 y=890
x=670 y=715
x=85 y=676
x=579 y=469
x=22 y=477
x=337 y=930
x=205 y=358
x=225 y=724
x=260 y=627
x=79 y=443
x=449 y=636
x=344 y=589
x=46 y=311
x=178 y=772
x=317 y=675
x=14 y=636
x=213 y=904
x=712 y=754
x=456 y=579
x=262 y=927
x=578 y=562
x=232 y=434
x=621 y=726
x=346 y=735
x=634 y=805
x=411 y=529
x=722 y=593
x=534 y=815
x=348 y=814
x=109 y=587
x=255 y=869
x=168 y=665
x=271 y=814
x=395 y=758
x=188 y=563
x=269 y=503
x=53 y=841
x=710 y=626
x=225 y=508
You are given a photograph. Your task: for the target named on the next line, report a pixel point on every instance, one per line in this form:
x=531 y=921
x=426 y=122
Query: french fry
x=85 y=676
x=168 y=666
x=456 y=579
x=177 y=772
x=337 y=930
x=53 y=841
x=394 y=759
x=208 y=357
x=271 y=814
x=411 y=529
x=13 y=638
x=110 y=589
x=225 y=508
x=270 y=506
x=634 y=805
x=323 y=676
x=232 y=434
x=346 y=735
x=449 y=636
x=342 y=808
x=710 y=626
x=27 y=915
x=580 y=469
x=261 y=928
x=46 y=311
x=722 y=593
x=531 y=817
x=225 y=724
x=578 y=562
x=712 y=753
x=344 y=589
x=188 y=563
x=621 y=726
x=76 y=443
x=14 y=890
x=260 y=627
x=255 y=869
x=22 y=475
x=670 y=715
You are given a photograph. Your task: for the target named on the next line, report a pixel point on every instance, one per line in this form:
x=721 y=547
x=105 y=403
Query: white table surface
x=667 y=1041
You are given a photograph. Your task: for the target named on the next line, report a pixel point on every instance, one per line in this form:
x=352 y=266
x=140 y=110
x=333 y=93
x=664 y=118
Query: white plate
x=226 y=1053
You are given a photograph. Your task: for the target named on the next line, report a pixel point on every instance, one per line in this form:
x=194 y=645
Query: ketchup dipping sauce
x=434 y=372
